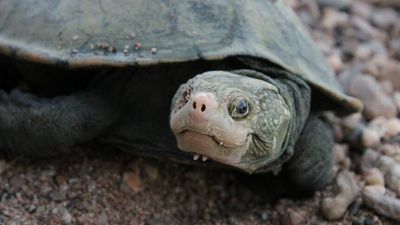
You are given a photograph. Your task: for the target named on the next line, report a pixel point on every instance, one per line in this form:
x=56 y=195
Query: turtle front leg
x=43 y=127
x=310 y=168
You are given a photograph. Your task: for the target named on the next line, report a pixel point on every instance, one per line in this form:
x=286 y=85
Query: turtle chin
x=204 y=146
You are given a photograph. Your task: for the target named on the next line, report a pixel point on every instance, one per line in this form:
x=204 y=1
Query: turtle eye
x=239 y=108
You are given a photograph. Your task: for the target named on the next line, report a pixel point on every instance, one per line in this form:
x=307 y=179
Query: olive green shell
x=82 y=33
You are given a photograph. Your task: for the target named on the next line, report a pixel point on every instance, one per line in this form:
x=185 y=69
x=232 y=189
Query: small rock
x=352 y=121
x=60 y=180
x=391 y=71
x=264 y=216
x=292 y=217
x=158 y=220
x=336 y=62
x=363 y=52
x=396 y=98
x=362 y=9
x=332 y=18
x=384 y=17
x=66 y=217
x=392 y=127
x=388 y=149
x=101 y=219
x=134 y=181
x=378 y=63
x=382 y=204
x=370 y=138
x=368 y=221
x=387 y=86
x=340 y=151
x=374 y=177
x=355 y=207
x=58 y=196
x=364 y=27
x=394 y=47
x=379 y=125
x=376 y=103
x=17 y=182
x=391 y=170
x=369 y=160
x=334 y=208
x=151 y=172
x=337 y=4
x=377 y=188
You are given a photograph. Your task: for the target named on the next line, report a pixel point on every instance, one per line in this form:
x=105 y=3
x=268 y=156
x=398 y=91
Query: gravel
x=360 y=39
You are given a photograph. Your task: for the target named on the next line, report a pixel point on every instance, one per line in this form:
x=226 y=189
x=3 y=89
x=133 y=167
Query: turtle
x=227 y=83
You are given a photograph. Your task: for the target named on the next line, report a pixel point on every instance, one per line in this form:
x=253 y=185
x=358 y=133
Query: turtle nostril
x=194 y=105
x=203 y=108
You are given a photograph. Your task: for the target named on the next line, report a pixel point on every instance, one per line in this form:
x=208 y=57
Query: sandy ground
x=361 y=40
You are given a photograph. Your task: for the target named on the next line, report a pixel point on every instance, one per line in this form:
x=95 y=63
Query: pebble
x=352 y=122
x=355 y=207
x=384 y=18
x=362 y=9
x=151 y=172
x=363 y=52
x=348 y=189
x=369 y=91
x=60 y=180
x=377 y=188
x=337 y=4
x=374 y=177
x=391 y=71
x=387 y=86
x=382 y=204
x=391 y=170
x=365 y=28
x=291 y=217
x=396 y=98
x=66 y=217
x=370 y=138
x=17 y=182
x=388 y=149
x=340 y=151
x=392 y=127
x=378 y=124
x=58 y=196
x=101 y=219
x=335 y=62
x=332 y=18
x=368 y=221
x=133 y=180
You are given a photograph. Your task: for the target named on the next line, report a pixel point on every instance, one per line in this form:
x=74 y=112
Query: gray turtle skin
x=235 y=84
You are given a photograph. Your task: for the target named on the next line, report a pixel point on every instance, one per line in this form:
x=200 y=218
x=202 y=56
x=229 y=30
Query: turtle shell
x=84 y=33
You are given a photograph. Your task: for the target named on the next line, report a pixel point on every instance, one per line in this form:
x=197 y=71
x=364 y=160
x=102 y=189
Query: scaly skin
x=249 y=140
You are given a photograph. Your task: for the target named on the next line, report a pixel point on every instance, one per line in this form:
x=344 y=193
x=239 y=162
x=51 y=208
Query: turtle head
x=233 y=119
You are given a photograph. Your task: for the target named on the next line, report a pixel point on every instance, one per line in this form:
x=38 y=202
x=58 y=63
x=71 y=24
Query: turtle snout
x=202 y=105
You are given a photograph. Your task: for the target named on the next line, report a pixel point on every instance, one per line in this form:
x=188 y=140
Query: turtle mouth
x=206 y=146
x=212 y=135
